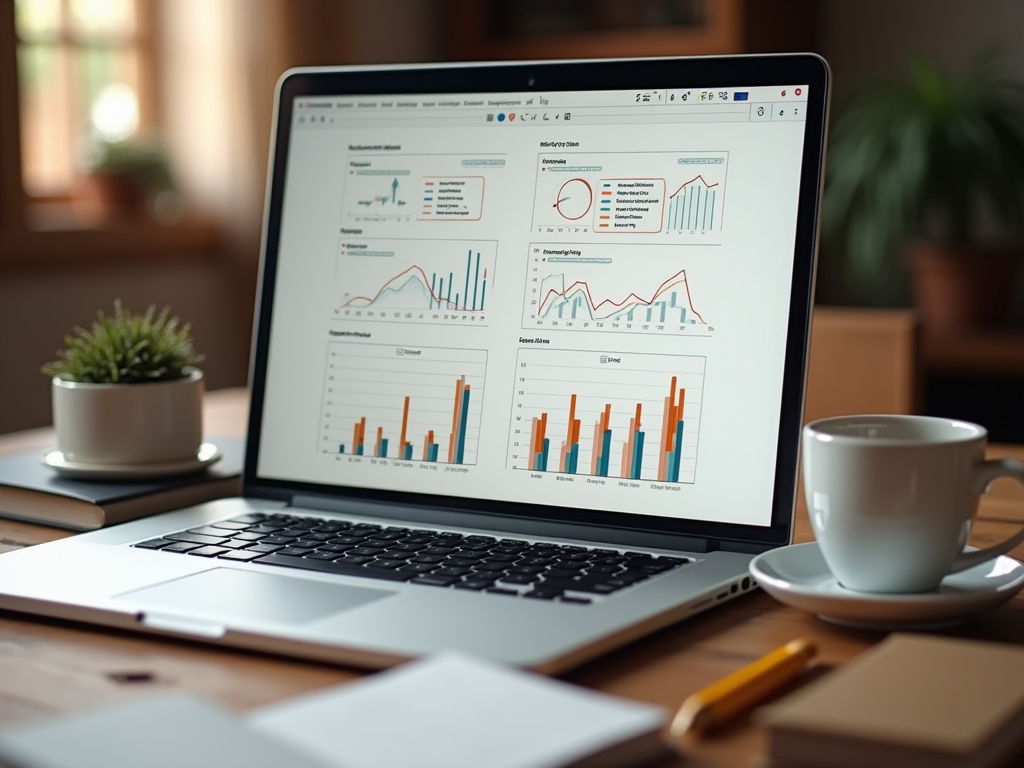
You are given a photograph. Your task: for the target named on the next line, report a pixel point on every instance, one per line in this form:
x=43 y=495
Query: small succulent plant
x=126 y=348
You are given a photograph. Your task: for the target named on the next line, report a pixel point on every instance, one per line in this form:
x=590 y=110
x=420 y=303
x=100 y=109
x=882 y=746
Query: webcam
x=530 y=80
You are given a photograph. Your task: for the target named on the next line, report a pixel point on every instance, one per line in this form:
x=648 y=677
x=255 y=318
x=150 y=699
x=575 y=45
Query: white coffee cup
x=892 y=498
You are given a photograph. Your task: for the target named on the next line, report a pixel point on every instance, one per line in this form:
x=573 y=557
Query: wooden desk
x=50 y=666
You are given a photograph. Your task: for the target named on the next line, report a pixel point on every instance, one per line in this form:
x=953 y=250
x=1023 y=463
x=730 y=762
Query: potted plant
x=129 y=174
x=933 y=167
x=127 y=391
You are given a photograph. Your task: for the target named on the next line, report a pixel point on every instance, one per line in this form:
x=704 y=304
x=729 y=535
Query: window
x=83 y=71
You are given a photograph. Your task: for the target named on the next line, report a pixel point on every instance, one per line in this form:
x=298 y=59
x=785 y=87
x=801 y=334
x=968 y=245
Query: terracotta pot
x=957 y=288
x=127 y=424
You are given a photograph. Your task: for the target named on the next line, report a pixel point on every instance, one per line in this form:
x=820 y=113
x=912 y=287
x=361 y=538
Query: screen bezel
x=637 y=74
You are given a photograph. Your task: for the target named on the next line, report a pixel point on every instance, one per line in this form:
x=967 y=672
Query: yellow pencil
x=735 y=693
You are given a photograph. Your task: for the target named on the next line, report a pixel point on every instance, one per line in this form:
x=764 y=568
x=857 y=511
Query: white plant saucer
x=207 y=454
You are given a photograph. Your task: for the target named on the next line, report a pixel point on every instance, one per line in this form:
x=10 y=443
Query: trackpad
x=226 y=593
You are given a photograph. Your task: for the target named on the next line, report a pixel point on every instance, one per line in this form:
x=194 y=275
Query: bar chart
x=614 y=288
x=410 y=280
x=628 y=416
x=405 y=403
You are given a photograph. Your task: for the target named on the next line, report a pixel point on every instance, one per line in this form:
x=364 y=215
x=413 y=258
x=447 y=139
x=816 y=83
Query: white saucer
x=797 y=576
x=207 y=454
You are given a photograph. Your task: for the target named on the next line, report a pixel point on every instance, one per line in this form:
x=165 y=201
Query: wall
x=37 y=309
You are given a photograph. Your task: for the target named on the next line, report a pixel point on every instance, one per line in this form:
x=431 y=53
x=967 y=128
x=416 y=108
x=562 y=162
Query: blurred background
x=134 y=137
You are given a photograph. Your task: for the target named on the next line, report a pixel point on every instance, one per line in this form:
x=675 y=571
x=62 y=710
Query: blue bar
x=712 y=209
x=460 y=449
x=469 y=259
x=449 y=299
x=476 y=281
x=704 y=220
x=638 y=454
x=483 y=292
x=538 y=461
x=544 y=454
x=433 y=278
x=630 y=315
x=359 y=450
x=574 y=456
x=432 y=454
x=648 y=314
x=606 y=449
x=677 y=453
x=662 y=303
x=408 y=451
x=575 y=303
x=341 y=448
x=383 y=448
x=440 y=293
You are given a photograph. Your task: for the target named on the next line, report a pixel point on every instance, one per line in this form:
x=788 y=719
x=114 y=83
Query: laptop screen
x=563 y=299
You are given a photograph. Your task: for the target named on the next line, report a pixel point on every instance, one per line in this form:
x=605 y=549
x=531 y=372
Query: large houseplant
x=126 y=391
x=933 y=167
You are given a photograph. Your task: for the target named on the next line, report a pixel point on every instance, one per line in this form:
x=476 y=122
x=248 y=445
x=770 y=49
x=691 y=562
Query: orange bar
x=561 y=458
x=567 y=446
x=456 y=410
x=639 y=407
x=682 y=399
x=627 y=451
x=668 y=437
x=405 y=427
x=666 y=415
x=533 y=442
x=575 y=432
x=595 y=455
x=543 y=432
x=426 y=446
x=362 y=433
x=355 y=436
x=380 y=436
x=606 y=418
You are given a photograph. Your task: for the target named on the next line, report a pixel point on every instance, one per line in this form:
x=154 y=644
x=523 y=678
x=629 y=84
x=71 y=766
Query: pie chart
x=574 y=199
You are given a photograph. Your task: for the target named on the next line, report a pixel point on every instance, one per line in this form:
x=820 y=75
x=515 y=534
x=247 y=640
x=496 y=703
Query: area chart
x=630 y=416
x=409 y=404
x=432 y=281
x=614 y=288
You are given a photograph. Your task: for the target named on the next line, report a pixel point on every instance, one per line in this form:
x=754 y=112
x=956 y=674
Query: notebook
x=912 y=701
x=527 y=372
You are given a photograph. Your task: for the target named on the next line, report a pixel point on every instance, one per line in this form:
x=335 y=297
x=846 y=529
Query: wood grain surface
x=49 y=666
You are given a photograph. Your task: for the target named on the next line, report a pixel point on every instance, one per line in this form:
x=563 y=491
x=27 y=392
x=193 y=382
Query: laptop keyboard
x=447 y=559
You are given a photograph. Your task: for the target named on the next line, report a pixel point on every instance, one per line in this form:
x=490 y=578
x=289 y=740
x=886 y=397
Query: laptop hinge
x=488 y=522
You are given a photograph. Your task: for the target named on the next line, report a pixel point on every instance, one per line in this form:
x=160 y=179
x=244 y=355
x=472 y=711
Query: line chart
x=604 y=287
x=432 y=281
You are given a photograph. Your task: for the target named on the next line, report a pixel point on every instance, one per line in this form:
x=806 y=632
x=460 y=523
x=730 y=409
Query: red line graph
x=688 y=183
x=415 y=272
x=632 y=298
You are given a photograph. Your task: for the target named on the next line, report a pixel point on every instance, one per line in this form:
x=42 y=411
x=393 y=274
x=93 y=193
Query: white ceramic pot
x=129 y=423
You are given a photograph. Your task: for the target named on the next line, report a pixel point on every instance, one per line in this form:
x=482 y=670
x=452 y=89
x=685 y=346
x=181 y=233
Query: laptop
x=528 y=368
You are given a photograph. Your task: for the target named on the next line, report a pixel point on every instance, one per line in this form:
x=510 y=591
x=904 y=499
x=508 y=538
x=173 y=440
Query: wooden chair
x=863 y=361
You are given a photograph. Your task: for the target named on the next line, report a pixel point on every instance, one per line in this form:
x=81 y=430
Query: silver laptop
x=527 y=374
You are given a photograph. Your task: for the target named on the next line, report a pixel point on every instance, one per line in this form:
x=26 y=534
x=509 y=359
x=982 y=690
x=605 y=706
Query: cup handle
x=985 y=473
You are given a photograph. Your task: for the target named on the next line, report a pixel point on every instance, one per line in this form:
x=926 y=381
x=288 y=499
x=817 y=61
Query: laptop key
x=418 y=567
x=152 y=544
x=474 y=584
x=334 y=566
x=250 y=536
x=241 y=555
x=434 y=581
x=209 y=551
x=265 y=549
x=181 y=546
x=230 y=525
x=296 y=551
x=195 y=538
